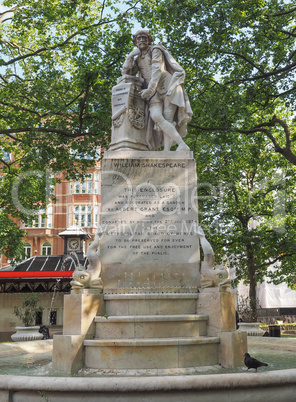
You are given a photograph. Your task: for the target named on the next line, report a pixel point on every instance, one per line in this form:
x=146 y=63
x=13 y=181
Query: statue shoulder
x=159 y=47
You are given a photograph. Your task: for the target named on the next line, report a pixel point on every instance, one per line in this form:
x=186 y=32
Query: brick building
x=42 y=271
x=78 y=202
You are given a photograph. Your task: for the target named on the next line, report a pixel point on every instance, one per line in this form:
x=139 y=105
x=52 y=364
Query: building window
x=49 y=216
x=41 y=220
x=91 y=185
x=27 y=251
x=46 y=248
x=83 y=215
x=96 y=183
x=53 y=317
x=38 y=320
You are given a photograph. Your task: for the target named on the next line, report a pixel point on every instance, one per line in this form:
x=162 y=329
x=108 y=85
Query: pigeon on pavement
x=251 y=362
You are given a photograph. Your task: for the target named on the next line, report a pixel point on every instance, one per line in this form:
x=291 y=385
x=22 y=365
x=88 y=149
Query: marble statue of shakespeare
x=168 y=107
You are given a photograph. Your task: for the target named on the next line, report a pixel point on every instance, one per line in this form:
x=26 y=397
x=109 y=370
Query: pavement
x=20 y=348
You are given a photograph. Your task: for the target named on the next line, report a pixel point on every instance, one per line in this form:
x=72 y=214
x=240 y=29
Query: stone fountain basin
x=193 y=385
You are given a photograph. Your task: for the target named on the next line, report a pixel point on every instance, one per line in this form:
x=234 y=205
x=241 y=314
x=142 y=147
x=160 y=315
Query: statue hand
x=135 y=52
x=145 y=93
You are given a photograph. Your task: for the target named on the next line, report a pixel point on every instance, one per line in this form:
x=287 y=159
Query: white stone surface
x=128 y=116
x=155 y=326
x=219 y=305
x=251 y=328
x=124 y=304
x=27 y=334
x=149 y=207
x=134 y=154
x=158 y=353
x=244 y=387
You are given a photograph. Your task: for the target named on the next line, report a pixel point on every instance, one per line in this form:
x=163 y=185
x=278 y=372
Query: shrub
x=27 y=313
x=245 y=311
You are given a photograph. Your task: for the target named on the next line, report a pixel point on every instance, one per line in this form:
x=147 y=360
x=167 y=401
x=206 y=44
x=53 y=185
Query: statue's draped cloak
x=176 y=95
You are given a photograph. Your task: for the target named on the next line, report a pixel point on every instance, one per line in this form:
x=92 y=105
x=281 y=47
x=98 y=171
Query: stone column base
x=233 y=346
x=68 y=353
x=80 y=309
x=219 y=304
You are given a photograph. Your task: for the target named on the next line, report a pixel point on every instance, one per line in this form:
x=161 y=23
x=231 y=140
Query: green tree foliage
x=240 y=62
x=248 y=209
x=240 y=59
x=58 y=62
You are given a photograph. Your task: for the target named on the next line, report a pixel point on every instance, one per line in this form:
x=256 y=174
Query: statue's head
x=142 y=32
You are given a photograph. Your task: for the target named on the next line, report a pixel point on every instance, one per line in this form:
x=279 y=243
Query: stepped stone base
x=144 y=334
x=156 y=304
x=150 y=326
x=151 y=353
x=150 y=331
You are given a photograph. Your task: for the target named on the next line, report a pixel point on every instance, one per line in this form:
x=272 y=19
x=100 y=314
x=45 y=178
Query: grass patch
x=288 y=336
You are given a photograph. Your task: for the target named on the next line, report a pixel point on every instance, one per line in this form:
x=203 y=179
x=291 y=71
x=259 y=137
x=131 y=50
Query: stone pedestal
x=233 y=346
x=80 y=309
x=251 y=328
x=149 y=207
x=128 y=115
x=150 y=266
x=151 y=273
x=219 y=305
x=151 y=331
x=27 y=334
x=67 y=353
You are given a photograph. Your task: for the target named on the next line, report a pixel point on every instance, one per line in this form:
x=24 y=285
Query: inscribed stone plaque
x=149 y=207
x=120 y=99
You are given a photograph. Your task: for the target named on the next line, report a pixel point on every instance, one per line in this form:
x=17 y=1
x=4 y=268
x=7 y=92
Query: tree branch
x=15 y=106
x=82 y=108
x=266 y=75
x=279 y=258
x=7 y=12
x=246 y=59
x=58 y=45
x=286 y=151
x=3 y=79
x=40 y=130
x=288 y=33
x=103 y=8
x=282 y=13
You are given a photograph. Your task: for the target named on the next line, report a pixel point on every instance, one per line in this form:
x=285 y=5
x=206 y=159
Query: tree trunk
x=252 y=289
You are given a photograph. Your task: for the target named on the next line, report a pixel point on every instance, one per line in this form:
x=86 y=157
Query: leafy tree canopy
x=58 y=62
x=240 y=59
x=240 y=62
x=248 y=209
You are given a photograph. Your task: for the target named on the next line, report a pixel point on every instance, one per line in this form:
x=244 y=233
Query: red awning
x=36 y=274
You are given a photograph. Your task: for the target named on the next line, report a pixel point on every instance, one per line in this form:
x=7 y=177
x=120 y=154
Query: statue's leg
x=169 y=111
x=166 y=127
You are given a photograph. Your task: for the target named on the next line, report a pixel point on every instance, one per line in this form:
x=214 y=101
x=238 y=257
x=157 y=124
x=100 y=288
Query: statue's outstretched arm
x=129 y=66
